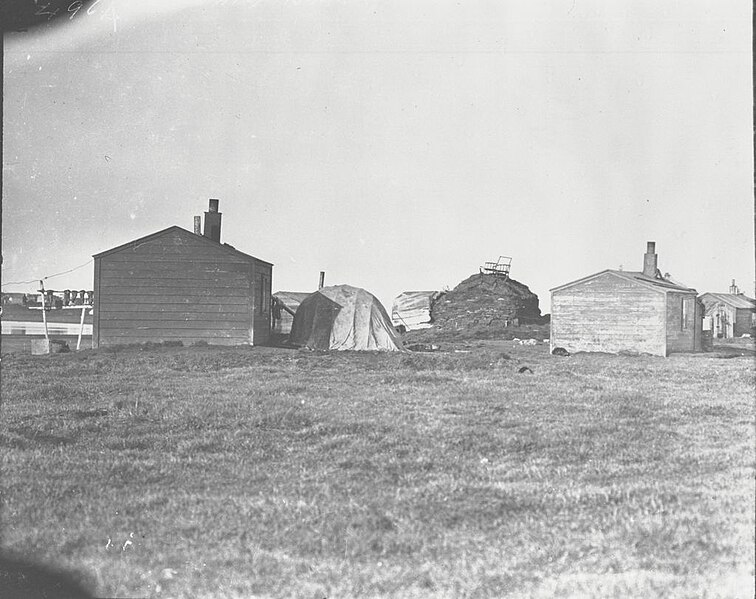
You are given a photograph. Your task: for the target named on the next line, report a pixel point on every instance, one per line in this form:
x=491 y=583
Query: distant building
x=622 y=311
x=14 y=299
x=175 y=285
x=728 y=314
x=285 y=304
x=412 y=309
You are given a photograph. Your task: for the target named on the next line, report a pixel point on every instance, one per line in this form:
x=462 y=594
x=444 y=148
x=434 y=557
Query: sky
x=394 y=145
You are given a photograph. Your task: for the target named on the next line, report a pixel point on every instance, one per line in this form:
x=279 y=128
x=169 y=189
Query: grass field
x=209 y=472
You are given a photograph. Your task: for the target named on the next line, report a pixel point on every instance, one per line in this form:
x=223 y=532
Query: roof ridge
x=223 y=246
x=632 y=276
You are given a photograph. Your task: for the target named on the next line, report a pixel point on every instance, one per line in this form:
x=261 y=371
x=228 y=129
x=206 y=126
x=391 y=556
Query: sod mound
x=483 y=307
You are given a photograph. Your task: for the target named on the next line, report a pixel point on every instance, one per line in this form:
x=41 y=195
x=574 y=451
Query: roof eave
x=627 y=276
x=223 y=246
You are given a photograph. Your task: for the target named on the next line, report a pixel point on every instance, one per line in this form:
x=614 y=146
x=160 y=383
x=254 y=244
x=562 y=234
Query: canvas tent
x=412 y=309
x=343 y=318
x=285 y=304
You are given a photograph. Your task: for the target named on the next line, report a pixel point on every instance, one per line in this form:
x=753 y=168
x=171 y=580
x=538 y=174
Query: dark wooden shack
x=175 y=285
x=625 y=311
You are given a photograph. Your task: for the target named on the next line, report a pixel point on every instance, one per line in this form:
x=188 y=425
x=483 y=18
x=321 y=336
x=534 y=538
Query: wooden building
x=622 y=311
x=728 y=315
x=175 y=285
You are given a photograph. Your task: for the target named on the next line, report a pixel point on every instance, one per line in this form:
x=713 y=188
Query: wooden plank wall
x=743 y=322
x=174 y=287
x=681 y=334
x=608 y=314
x=698 y=331
x=262 y=297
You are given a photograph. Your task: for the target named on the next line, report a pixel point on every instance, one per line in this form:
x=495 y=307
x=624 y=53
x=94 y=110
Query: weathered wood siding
x=698 y=331
x=729 y=319
x=261 y=301
x=174 y=287
x=743 y=322
x=683 y=318
x=725 y=319
x=721 y=320
x=608 y=314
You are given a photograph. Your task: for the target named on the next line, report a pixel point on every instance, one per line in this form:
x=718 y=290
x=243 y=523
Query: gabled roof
x=660 y=285
x=736 y=301
x=175 y=228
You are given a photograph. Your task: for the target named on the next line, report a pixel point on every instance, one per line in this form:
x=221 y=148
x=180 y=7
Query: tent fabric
x=412 y=309
x=342 y=317
x=282 y=318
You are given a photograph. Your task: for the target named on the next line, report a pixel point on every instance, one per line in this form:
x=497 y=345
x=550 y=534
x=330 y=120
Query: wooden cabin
x=728 y=315
x=618 y=311
x=175 y=285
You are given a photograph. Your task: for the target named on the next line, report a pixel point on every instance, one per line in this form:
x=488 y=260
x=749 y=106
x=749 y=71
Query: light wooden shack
x=624 y=311
x=728 y=315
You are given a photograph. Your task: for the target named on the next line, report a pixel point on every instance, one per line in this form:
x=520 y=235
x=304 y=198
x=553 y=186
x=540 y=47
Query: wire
x=65 y=272
x=20 y=282
x=57 y=274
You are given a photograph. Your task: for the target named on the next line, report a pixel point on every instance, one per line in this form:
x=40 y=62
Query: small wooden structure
x=499 y=268
x=175 y=285
x=621 y=311
x=728 y=315
x=412 y=310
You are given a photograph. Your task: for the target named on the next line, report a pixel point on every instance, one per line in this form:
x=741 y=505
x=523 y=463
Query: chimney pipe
x=734 y=290
x=213 y=222
x=650 y=268
x=198 y=225
x=322 y=279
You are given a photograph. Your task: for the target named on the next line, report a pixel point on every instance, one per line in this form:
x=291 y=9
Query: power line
x=57 y=274
x=20 y=282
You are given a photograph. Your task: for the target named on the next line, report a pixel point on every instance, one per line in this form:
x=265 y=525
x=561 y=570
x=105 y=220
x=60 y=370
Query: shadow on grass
x=42 y=437
x=19 y=578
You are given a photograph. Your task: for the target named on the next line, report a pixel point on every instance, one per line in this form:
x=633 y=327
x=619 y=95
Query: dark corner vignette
x=27 y=15
x=22 y=579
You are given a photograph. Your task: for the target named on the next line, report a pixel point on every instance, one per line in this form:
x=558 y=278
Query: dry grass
x=188 y=472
